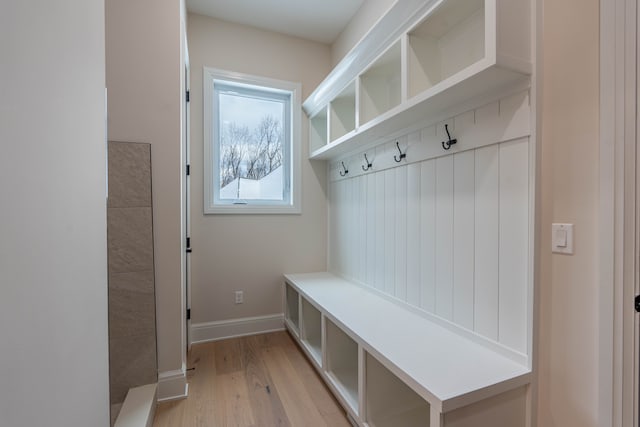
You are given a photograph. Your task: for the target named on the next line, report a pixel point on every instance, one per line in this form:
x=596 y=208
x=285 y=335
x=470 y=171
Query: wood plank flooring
x=257 y=381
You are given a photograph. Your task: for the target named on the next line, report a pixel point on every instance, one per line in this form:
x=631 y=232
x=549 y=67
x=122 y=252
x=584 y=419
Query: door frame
x=619 y=220
x=187 y=194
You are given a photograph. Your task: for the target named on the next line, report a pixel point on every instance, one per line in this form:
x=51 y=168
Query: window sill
x=252 y=210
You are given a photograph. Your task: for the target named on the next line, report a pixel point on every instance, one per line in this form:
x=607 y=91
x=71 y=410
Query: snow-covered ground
x=267 y=188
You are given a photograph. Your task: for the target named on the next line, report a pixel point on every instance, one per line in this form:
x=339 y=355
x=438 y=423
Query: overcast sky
x=246 y=111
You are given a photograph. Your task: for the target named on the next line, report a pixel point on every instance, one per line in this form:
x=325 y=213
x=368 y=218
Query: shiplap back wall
x=447 y=232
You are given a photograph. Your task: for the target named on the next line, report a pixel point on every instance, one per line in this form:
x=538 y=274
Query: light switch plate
x=562 y=238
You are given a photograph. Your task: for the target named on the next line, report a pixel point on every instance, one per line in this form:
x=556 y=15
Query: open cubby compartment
x=447 y=41
x=342 y=119
x=381 y=85
x=292 y=308
x=318 y=130
x=342 y=363
x=311 y=330
x=389 y=402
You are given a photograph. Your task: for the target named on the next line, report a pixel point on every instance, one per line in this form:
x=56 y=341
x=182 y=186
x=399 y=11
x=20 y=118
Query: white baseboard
x=214 y=331
x=172 y=385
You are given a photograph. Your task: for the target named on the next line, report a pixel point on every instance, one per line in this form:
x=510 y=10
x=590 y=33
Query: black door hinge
x=188 y=96
x=188 y=170
x=188 y=245
x=188 y=314
x=637 y=303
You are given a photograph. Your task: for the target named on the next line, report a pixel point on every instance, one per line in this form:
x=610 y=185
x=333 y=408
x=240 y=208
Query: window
x=251 y=144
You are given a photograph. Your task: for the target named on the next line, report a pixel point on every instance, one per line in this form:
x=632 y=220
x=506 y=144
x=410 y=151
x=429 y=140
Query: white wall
x=368 y=14
x=53 y=250
x=251 y=252
x=144 y=66
x=568 y=306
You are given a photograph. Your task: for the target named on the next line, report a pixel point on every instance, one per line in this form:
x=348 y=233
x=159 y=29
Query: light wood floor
x=258 y=381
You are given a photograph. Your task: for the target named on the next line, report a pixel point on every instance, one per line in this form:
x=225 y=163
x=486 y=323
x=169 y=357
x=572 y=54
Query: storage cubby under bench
x=390 y=365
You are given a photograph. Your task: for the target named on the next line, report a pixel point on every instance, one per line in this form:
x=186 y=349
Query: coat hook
x=369 y=164
x=345 y=170
x=402 y=155
x=447 y=144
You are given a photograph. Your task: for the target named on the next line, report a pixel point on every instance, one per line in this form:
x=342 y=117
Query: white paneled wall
x=444 y=231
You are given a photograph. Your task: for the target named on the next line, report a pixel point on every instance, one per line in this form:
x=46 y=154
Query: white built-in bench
x=391 y=366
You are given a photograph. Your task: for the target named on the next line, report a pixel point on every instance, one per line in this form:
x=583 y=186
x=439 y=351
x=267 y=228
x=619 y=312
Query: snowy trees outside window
x=250 y=151
x=250 y=138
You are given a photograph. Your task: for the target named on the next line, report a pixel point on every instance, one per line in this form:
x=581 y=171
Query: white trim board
x=172 y=385
x=222 y=329
x=618 y=215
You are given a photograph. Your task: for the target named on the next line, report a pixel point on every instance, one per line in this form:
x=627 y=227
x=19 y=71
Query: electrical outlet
x=239 y=297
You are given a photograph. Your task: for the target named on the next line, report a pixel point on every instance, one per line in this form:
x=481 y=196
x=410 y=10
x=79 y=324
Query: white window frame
x=212 y=205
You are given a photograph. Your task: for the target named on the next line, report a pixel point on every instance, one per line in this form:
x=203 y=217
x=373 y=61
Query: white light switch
x=562 y=238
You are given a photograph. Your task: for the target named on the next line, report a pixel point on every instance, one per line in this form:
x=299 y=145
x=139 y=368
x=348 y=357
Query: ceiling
x=318 y=20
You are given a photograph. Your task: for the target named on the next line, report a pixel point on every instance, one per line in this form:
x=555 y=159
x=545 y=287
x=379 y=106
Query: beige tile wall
x=132 y=316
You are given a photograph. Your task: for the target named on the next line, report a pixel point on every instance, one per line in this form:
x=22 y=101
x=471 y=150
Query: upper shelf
x=448 y=52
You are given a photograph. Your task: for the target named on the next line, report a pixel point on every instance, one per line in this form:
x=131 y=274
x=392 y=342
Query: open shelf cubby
x=343 y=113
x=445 y=56
x=381 y=85
x=342 y=363
x=292 y=308
x=446 y=42
x=389 y=401
x=318 y=130
x=311 y=331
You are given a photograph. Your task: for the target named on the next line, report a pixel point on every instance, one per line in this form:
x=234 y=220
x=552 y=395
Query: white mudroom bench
x=391 y=365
